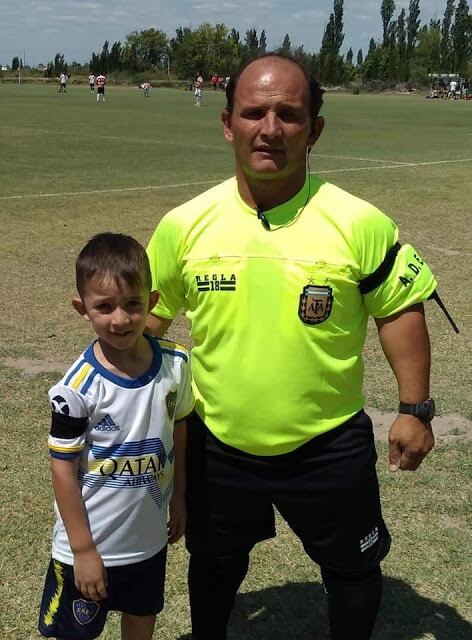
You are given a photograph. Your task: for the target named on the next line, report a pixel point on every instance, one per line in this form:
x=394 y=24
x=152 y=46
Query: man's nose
x=270 y=125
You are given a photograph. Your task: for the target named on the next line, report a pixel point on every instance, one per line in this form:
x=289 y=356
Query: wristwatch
x=423 y=410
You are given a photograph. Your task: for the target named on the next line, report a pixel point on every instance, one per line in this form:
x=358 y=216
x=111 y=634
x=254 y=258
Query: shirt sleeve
x=185 y=399
x=69 y=420
x=408 y=282
x=164 y=257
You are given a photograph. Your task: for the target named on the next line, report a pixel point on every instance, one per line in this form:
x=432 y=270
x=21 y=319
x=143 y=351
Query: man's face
x=270 y=126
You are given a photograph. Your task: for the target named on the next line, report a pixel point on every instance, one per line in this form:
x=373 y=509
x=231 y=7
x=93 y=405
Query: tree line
x=407 y=51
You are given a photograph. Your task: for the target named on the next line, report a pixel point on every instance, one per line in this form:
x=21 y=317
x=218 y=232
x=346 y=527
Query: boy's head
x=116 y=257
x=114 y=285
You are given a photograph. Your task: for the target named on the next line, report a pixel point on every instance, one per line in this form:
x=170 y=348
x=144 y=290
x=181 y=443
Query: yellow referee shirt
x=277 y=319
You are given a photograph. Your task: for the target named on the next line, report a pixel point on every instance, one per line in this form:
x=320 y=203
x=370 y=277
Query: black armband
x=372 y=281
x=67 y=427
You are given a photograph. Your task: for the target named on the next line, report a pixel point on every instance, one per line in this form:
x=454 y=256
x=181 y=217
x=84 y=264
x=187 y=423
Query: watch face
x=430 y=408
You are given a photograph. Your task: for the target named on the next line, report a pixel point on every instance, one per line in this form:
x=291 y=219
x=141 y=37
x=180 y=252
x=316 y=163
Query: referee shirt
x=277 y=319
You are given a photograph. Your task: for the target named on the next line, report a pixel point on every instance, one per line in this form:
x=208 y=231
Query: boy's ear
x=153 y=298
x=80 y=307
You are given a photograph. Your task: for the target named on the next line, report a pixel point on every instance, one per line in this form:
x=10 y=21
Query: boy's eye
x=104 y=306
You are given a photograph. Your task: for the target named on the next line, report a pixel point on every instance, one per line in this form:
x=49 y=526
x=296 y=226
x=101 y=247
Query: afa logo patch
x=85 y=611
x=59 y=405
x=315 y=304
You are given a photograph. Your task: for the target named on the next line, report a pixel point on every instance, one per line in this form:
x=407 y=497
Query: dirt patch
x=31 y=367
x=447 y=429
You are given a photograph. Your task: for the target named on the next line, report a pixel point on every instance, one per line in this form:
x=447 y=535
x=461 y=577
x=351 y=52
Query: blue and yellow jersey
x=121 y=430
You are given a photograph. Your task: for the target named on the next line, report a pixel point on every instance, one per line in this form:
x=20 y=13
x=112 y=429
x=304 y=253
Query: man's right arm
x=156 y=325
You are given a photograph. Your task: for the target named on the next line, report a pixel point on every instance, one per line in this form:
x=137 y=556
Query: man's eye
x=288 y=116
x=254 y=114
x=103 y=308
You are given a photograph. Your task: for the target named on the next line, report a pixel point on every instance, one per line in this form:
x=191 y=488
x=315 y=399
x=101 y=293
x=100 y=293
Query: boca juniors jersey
x=122 y=431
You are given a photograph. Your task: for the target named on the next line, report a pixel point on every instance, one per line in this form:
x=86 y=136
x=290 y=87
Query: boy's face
x=116 y=310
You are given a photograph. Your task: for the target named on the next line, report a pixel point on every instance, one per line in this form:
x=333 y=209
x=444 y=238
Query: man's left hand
x=410 y=440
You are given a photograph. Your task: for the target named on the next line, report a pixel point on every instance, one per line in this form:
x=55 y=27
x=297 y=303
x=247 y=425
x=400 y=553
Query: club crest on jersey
x=315 y=304
x=171 y=399
x=85 y=611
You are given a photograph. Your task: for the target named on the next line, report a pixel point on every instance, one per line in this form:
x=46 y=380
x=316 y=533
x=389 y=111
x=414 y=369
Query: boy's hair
x=115 y=256
x=314 y=89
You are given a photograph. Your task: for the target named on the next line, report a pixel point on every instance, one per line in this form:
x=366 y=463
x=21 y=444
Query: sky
x=38 y=29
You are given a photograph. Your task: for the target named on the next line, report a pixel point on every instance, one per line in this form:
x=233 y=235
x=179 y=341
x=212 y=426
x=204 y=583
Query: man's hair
x=315 y=91
x=115 y=256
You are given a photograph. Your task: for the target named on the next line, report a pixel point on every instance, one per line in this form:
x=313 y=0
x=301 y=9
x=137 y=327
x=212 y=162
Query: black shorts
x=100 y=89
x=327 y=491
x=137 y=589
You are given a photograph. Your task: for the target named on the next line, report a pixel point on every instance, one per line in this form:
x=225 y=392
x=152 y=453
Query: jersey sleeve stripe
x=69 y=377
x=58 y=449
x=88 y=382
x=80 y=376
x=63 y=456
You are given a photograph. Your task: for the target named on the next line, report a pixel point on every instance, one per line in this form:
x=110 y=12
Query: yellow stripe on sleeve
x=80 y=376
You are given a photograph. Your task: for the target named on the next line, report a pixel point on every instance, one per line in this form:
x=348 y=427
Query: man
x=199 y=90
x=101 y=81
x=92 y=82
x=62 y=83
x=278 y=271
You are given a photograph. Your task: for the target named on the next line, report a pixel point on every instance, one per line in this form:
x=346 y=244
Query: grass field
x=70 y=167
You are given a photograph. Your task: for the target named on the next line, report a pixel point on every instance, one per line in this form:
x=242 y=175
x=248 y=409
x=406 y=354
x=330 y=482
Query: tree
x=460 y=32
x=59 y=64
x=286 y=47
x=412 y=29
x=147 y=49
x=338 y=10
x=250 y=48
x=114 y=60
x=360 y=58
x=446 y=44
x=208 y=49
x=330 y=62
x=401 y=44
x=428 y=51
x=386 y=11
x=262 y=43
x=15 y=63
x=349 y=56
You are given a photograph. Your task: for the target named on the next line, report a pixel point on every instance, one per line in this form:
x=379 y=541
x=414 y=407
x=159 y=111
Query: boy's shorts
x=137 y=589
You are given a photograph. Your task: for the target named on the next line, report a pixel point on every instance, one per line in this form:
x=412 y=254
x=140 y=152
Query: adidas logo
x=107 y=424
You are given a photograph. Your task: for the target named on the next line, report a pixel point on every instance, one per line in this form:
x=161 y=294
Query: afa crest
x=85 y=610
x=171 y=399
x=315 y=304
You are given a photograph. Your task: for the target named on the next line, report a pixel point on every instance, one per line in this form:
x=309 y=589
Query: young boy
x=117 y=447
